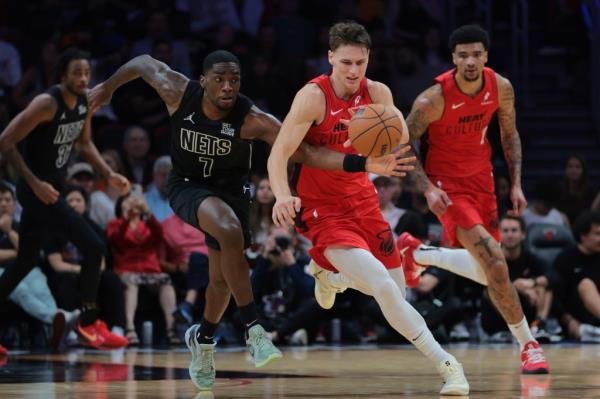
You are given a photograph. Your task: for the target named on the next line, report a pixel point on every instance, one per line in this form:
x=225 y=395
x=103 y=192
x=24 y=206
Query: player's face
x=222 y=84
x=76 y=201
x=77 y=77
x=349 y=63
x=469 y=60
x=7 y=203
x=591 y=240
x=512 y=235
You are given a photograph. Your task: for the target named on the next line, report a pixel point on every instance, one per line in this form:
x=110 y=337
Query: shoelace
x=206 y=359
x=535 y=355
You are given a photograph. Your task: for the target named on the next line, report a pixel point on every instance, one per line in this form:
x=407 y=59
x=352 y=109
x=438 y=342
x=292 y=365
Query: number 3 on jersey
x=207 y=164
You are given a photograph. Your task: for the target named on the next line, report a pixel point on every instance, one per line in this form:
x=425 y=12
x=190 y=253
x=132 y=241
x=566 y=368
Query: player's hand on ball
x=394 y=164
x=518 y=201
x=119 y=182
x=437 y=200
x=285 y=209
x=45 y=192
x=98 y=97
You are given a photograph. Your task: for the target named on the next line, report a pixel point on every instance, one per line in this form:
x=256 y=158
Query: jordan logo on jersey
x=227 y=130
x=189 y=118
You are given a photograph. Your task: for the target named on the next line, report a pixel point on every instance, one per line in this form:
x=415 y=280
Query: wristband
x=354 y=163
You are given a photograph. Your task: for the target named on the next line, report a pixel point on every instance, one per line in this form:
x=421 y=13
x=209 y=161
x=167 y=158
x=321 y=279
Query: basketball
x=375 y=130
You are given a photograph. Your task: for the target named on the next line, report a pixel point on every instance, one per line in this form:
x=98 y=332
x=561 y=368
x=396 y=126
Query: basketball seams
x=379 y=137
x=372 y=126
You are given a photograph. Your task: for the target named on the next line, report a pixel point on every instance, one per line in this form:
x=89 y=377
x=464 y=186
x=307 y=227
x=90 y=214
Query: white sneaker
x=589 y=333
x=324 y=291
x=452 y=373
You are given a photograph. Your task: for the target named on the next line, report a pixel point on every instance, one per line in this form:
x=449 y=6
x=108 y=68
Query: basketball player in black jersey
x=212 y=126
x=52 y=125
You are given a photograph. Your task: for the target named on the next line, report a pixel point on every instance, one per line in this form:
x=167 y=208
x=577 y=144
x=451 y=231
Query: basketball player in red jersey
x=459 y=184
x=340 y=211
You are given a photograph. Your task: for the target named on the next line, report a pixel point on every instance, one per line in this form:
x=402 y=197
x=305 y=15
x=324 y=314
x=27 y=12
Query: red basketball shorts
x=473 y=202
x=354 y=222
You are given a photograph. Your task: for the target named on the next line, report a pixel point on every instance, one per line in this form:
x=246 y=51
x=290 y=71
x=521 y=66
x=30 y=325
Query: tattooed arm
x=427 y=108
x=169 y=84
x=511 y=142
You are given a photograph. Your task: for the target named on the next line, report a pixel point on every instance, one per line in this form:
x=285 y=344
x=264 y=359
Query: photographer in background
x=282 y=289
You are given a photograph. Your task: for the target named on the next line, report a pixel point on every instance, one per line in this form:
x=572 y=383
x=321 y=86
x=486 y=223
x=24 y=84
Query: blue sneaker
x=260 y=346
x=202 y=366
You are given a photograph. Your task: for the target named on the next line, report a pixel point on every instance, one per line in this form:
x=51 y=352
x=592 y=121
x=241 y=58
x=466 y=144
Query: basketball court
x=318 y=372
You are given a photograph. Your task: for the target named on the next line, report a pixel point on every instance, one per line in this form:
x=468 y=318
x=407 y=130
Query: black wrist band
x=354 y=163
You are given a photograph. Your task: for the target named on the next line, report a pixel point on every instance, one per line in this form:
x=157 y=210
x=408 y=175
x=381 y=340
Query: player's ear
x=202 y=81
x=330 y=57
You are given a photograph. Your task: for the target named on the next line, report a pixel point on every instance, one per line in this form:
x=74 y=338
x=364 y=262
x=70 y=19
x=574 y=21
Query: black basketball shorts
x=185 y=196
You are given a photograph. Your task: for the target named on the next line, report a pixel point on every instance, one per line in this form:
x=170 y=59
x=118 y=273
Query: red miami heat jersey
x=327 y=185
x=458 y=143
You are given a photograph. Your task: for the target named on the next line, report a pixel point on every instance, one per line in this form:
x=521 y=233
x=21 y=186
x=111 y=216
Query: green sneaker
x=260 y=346
x=202 y=366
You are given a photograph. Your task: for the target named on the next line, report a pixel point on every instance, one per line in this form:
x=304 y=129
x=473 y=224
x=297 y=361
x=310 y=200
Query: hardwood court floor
x=347 y=372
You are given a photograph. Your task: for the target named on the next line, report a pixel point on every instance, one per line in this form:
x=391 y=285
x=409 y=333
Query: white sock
x=369 y=274
x=457 y=261
x=521 y=332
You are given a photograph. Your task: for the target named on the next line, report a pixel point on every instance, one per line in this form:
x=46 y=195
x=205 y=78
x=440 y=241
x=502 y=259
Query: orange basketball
x=375 y=130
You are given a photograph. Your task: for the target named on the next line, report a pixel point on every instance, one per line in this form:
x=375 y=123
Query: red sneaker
x=3 y=351
x=406 y=244
x=90 y=335
x=111 y=341
x=533 y=360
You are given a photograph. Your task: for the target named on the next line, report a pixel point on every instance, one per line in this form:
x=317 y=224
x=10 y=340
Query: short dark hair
x=5 y=188
x=65 y=58
x=518 y=219
x=348 y=32
x=583 y=223
x=216 y=57
x=71 y=188
x=469 y=34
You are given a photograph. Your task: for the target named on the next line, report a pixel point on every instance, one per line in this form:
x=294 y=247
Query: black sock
x=206 y=332
x=89 y=315
x=249 y=315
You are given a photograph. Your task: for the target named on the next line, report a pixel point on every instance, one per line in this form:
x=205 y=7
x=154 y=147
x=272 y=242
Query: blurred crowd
x=155 y=266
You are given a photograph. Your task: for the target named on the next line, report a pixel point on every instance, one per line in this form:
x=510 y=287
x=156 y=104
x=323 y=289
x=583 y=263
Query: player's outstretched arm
x=90 y=153
x=41 y=109
x=427 y=108
x=511 y=142
x=262 y=126
x=305 y=110
x=169 y=84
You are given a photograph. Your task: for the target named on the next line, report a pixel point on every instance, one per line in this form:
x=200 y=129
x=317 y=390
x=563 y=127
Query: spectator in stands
x=261 y=220
x=385 y=192
x=579 y=269
x=282 y=289
x=134 y=238
x=186 y=253
x=100 y=208
x=578 y=193
x=156 y=195
x=530 y=278
x=502 y=185
x=546 y=195
x=65 y=260
x=10 y=67
x=37 y=77
x=136 y=163
x=157 y=28
x=32 y=294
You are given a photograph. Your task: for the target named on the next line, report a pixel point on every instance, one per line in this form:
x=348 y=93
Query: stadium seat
x=547 y=240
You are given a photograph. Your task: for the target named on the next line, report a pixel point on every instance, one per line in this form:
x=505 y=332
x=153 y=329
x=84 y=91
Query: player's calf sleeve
x=457 y=261
x=362 y=267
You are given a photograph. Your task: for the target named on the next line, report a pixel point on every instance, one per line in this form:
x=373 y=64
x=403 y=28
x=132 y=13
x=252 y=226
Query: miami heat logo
x=386 y=246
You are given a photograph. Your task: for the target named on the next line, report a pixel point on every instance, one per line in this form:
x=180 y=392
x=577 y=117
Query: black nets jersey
x=47 y=149
x=210 y=151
